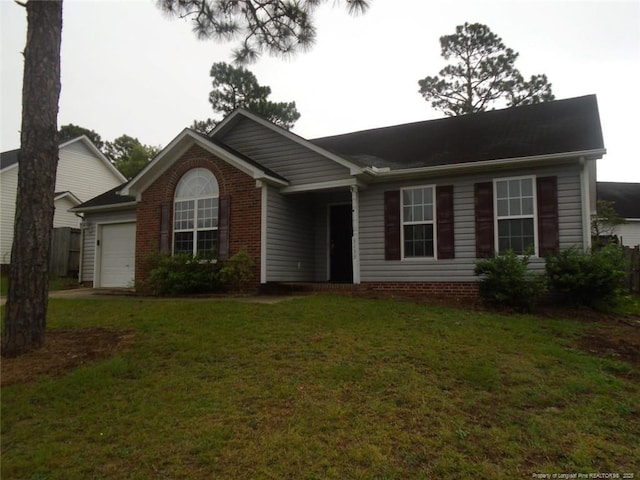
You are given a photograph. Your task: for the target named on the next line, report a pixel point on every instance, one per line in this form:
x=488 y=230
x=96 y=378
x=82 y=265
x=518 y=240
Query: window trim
x=534 y=215
x=433 y=222
x=195 y=200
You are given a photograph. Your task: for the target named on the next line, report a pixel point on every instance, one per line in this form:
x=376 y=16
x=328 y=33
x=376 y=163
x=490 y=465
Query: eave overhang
x=375 y=175
x=115 y=207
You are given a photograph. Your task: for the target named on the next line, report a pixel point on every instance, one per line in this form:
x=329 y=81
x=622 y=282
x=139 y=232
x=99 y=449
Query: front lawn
x=323 y=387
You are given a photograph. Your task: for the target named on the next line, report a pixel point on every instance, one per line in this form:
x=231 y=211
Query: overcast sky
x=128 y=69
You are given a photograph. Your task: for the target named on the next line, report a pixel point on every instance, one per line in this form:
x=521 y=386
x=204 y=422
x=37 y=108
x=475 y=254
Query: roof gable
x=12 y=157
x=179 y=145
x=240 y=116
x=557 y=127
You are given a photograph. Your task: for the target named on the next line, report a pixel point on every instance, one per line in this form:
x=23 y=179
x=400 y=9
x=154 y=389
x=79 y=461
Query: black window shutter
x=548 y=232
x=165 y=244
x=444 y=219
x=484 y=219
x=392 y=225
x=224 y=214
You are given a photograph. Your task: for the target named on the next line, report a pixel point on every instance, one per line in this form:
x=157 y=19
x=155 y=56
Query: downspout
x=80 y=260
x=586 y=210
x=263 y=232
x=355 y=238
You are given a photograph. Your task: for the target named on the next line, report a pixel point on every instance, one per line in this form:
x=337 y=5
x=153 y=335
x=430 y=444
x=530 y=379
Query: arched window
x=195 y=217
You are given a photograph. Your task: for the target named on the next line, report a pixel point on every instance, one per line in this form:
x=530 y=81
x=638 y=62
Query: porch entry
x=340 y=248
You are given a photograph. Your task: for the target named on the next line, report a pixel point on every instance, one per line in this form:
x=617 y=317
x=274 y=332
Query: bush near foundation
x=237 y=273
x=183 y=274
x=507 y=282
x=593 y=279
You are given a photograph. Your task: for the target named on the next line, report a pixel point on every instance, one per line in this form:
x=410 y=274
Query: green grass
x=322 y=387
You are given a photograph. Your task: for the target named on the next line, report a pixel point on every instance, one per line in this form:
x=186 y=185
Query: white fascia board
x=330 y=185
x=89 y=144
x=106 y=208
x=10 y=167
x=134 y=183
x=353 y=168
x=485 y=165
x=178 y=147
x=71 y=196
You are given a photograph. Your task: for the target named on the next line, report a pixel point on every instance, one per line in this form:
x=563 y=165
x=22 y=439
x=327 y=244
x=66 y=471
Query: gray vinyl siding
x=298 y=236
x=89 y=238
x=294 y=162
x=290 y=239
x=374 y=268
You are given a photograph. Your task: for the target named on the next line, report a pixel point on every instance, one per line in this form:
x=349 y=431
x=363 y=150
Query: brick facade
x=245 y=207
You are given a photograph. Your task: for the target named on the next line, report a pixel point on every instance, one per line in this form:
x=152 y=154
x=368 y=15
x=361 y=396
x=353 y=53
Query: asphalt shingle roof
x=9 y=158
x=107 y=198
x=625 y=197
x=560 y=126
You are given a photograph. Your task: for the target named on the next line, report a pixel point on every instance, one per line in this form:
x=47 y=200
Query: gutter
x=381 y=174
x=105 y=208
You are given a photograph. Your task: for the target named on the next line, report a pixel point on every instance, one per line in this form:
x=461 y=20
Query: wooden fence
x=632 y=256
x=65 y=252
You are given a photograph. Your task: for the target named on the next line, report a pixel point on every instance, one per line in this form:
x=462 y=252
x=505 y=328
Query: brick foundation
x=435 y=289
x=431 y=289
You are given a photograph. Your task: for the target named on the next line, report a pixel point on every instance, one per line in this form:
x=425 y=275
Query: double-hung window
x=515 y=206
x=418 y=225
x=195 y=218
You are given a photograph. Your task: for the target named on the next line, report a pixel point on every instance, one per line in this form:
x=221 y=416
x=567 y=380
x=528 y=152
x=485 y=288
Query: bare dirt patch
x=618 y=339
x=63 y=351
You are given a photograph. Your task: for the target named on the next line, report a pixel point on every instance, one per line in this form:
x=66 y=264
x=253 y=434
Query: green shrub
x=507 y=282
x=183 y=274
x=237 y=273
x=593 y=279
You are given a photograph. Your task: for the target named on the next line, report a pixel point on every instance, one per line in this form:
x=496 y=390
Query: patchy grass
x=322 y=387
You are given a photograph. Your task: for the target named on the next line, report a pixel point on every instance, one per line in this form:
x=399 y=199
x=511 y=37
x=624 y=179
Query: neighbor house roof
x=625 y=197
x=67 y=194
x=9 y=158
x=562 y=126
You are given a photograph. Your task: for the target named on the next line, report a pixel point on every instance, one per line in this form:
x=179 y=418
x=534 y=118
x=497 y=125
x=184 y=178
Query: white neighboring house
x=83 y=172
x=626 y=201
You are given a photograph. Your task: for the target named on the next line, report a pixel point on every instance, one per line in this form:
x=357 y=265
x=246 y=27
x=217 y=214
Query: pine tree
x=484 y=75
x=26 y=309
x=235 y=87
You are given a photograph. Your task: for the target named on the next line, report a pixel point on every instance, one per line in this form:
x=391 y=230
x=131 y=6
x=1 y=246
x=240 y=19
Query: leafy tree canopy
x=278 y=27
x=69 y=131
x=604 y=224
x=484 y=74
x=129 y=155
x=235 y=87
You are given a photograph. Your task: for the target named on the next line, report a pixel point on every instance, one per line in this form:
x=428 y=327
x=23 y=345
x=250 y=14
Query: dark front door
x=340 y=232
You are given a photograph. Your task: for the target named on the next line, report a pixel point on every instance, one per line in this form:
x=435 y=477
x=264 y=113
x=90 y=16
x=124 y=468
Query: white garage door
x=117 y=255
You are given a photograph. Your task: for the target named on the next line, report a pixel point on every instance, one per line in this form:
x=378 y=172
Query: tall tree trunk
x=26 y=309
